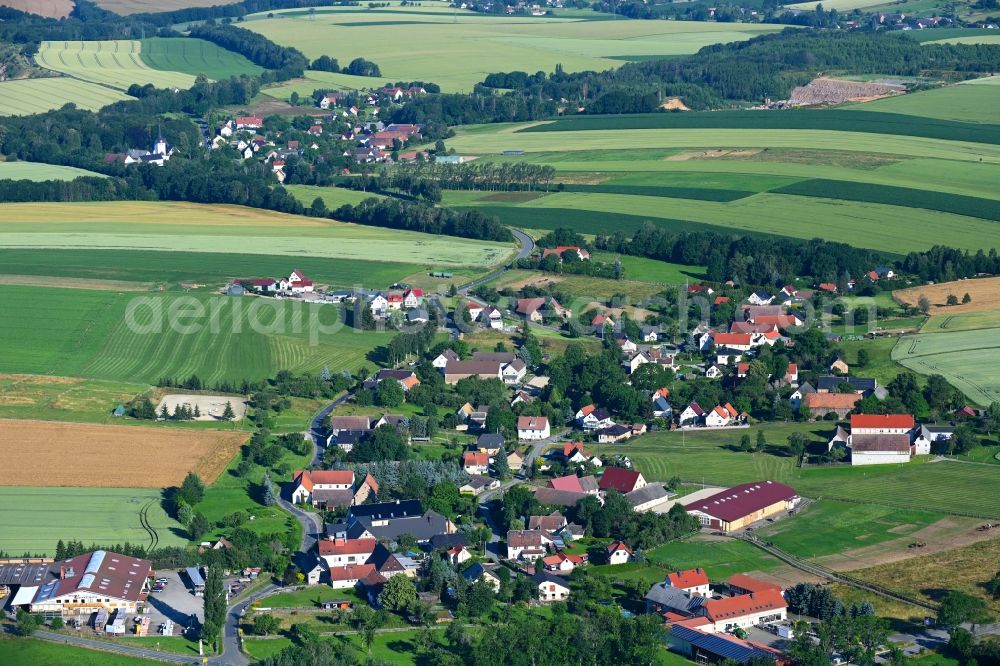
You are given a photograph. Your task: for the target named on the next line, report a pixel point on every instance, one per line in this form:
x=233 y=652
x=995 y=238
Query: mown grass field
x=117 y=64
x=333 y=197
x=38 y=171
x=27 y=96
x=108 y=335
x=184 y=227
x=194 y=56
x=642 y=269
x=829 y=527
x=457 y=50
x=34 y=518
x=35 y=651
x=713 y=458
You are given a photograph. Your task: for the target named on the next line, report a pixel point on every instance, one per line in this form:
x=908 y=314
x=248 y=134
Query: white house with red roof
x=298 y=283
x=532 y=428
x=319 y=487
x=413 y=298
x=249 y=122
x=342 y=552
x=692 y=415
x=722 y=415
x=394 y=300
x=618 y=553
x=744 y=611
x=692 y=581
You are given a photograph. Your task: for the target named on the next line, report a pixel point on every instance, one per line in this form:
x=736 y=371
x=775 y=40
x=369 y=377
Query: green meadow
x=143 y=337
x=194 y=56
x=457 y=49
x=34 y=518
x=969 y=103
x=34 y=651
x=38 y=171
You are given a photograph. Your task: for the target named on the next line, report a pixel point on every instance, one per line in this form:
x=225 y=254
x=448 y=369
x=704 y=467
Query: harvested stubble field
x=985 y=293
x=106 y=456
x=47 y=8
x=927 y=577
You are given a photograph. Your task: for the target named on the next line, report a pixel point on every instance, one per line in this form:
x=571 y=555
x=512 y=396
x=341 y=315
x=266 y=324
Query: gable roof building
x=741 y=505
x=622 y=480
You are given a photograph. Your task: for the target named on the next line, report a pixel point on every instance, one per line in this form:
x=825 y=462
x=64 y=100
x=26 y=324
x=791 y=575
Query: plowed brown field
x=107 y=456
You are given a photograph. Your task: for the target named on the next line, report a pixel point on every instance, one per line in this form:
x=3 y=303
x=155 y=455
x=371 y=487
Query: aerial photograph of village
x=500 y=332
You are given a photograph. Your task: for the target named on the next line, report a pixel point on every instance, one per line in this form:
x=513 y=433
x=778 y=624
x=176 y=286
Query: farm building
x=532 y=427
x=739 y=506
x=821 y=404
x=80 y=585
x=323 y=488
x=879 y=439
x=704 y=647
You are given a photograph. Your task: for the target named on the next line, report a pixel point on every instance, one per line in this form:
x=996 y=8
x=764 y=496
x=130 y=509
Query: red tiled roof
x=568 y=449
x=345 y=546
x=619 y=545
x=882 y=421
x=750 y=584
x=744 y=604
x=742 y=500
x=309 y=478
x=475 y=458
x=569 y=483
x=723 y=339
x=351 y=572
x=831 y=401
x=532 y=422
x=688 y=578
x=622 y=480
x=526 y=306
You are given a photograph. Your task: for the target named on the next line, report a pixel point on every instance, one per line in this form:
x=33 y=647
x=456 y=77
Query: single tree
x=952 y=299
x=923 y=304
x=265 y=624
x=761 y=441
x=966 y=298
x=192 y=489
x=745 y=444
x=228 y=413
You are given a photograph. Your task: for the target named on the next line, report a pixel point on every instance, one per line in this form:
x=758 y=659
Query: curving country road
x=527 y=247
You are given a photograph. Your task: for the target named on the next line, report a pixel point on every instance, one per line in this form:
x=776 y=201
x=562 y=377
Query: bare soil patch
x=836 y=91
x=211 y=407
x=107 y=456
x=674 y=104
x=47 y=8
x=985 y=293
x=75 y=283
x=711 y=154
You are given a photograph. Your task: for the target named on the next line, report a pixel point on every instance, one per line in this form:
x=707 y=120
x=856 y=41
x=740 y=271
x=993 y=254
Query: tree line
x=492 y=176
x=396 y=214
x=720 y=75
x=287 y=62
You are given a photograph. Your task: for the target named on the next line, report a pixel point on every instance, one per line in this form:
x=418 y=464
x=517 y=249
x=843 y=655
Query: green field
x=194 y=56
x=968 y=359
x=34 y=518
x=713 y=458
x=117 y=64
x=978 y=39
x=28 y=96
x=457 y=50
x=964 y=321
x=33 y=651
x=969 y=103
x=168 y=268
x=38 y=172
x=184 y=227
x=333 y=197
x=64 y=398
x=829 y=527
x=128 y=337
x=651 y=270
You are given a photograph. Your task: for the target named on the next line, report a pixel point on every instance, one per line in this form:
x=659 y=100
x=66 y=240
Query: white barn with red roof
x=298 y=283
x=330 y=487
x=881 y=439
x=739 y=506
x=692 y=581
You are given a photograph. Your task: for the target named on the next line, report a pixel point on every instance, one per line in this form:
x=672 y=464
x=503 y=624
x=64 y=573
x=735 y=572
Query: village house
x=562 y=563
x=742 y=584
x=599 y=322
x=692 y=581
x=722 y=415
x=527 y=544
x=692 y=415
x=478 y=572
x=478 y=484
x=441 y=360
x=618 y=553
x=733 y=509
x=661 y=406
x=931 y=435
x=649 y=497
x=591 y=417
x=455 y=371
x=474 y=462
x=532 y=428
x=514 y=461
x=550 y=587
x=349 y=576
x=614 y=434
x=744 y=611
x=584 y=485
x=514 y=372
x=559 y=250
x=323 y=488
x=339 y=552
x=622 y=480
x=553 y=522
x=492 y=318
x=650 y=333
x=407 y=379
x=821 y=404
x=458 y=555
